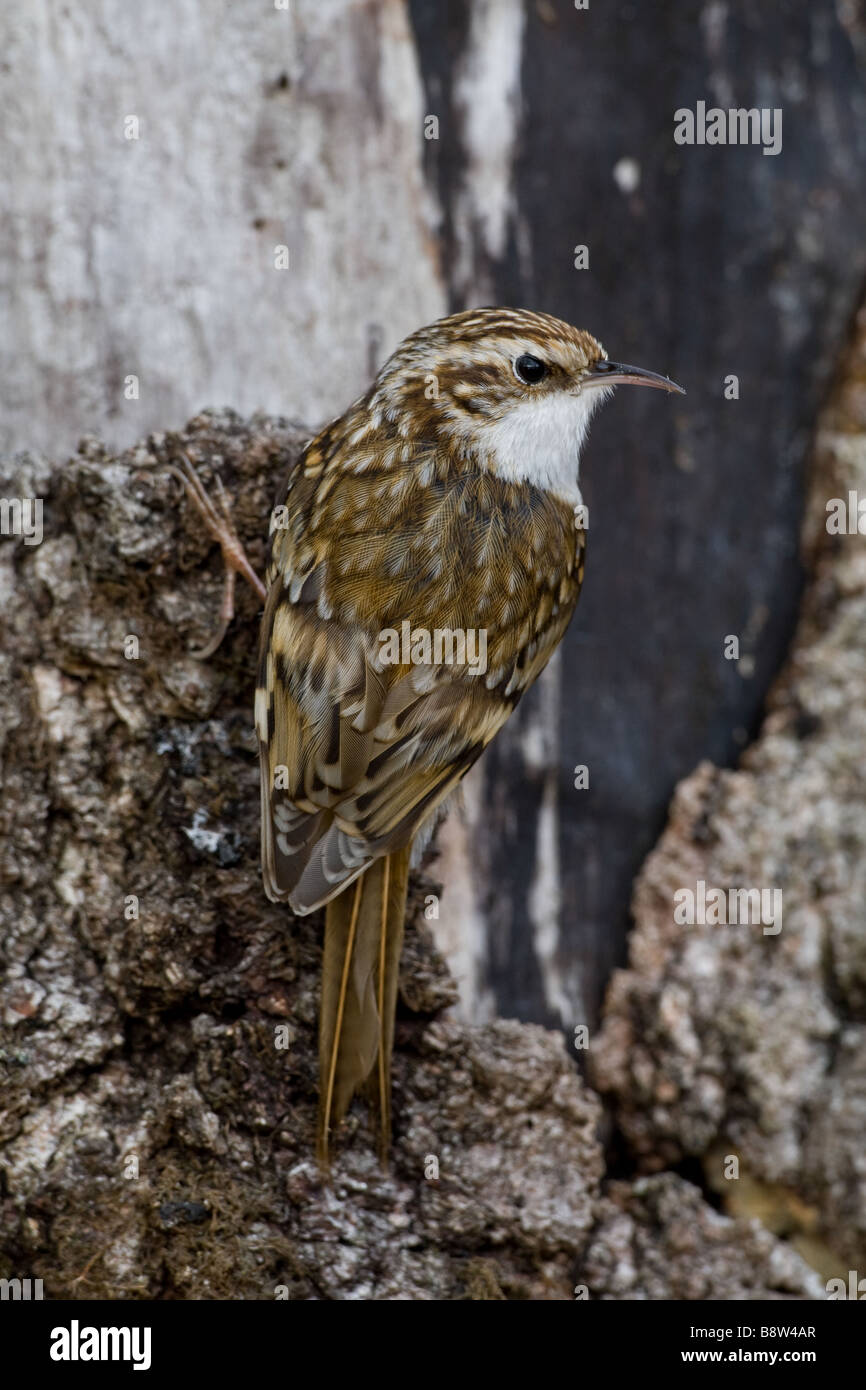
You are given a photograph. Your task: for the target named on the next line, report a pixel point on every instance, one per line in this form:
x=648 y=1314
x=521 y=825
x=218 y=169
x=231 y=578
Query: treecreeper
x=423 y=569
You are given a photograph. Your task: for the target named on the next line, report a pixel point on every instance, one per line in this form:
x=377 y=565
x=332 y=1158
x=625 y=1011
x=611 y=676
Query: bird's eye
x=529 y=369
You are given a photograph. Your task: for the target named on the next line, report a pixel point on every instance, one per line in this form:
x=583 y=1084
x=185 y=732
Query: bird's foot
x=217 y=518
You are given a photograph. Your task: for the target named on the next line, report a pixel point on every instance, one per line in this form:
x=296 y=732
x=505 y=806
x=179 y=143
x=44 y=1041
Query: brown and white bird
x=446 y=498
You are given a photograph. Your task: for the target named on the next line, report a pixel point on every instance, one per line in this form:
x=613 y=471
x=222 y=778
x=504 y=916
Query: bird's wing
x=358 y=750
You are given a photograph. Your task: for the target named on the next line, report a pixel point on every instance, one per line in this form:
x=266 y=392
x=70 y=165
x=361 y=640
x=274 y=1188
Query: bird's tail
x=363 y=940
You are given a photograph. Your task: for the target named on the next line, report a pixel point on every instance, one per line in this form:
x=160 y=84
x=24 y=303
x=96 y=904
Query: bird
x=445 y=500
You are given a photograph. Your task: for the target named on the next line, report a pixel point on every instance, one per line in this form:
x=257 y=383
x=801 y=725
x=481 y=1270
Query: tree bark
x=159 y=1015
x=748 y=1040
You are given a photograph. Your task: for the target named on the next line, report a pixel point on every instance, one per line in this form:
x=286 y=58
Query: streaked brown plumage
x=444 y=497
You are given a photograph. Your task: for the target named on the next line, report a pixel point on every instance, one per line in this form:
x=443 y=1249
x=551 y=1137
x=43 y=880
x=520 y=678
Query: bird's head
x=510 y=389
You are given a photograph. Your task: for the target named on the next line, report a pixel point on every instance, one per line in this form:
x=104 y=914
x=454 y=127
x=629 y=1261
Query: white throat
x=539 y=441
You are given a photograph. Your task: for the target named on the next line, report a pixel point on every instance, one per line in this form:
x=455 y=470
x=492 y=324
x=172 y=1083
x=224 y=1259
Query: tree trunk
x=251 y=206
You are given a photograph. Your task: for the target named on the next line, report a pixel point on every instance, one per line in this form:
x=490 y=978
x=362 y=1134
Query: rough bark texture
x=157 y=1140
x=726 y=1040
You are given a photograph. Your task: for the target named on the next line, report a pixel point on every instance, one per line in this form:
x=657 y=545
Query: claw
x=220 y=526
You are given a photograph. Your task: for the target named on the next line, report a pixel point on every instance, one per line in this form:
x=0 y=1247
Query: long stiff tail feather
x=363 y=941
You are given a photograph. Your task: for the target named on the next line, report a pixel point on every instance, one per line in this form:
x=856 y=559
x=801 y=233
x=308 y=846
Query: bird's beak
x=604 y=373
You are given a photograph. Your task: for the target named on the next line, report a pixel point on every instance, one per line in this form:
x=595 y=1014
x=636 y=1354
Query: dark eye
x=529 y=369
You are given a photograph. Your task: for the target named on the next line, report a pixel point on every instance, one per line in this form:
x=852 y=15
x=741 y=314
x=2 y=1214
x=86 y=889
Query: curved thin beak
x=606 y=373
